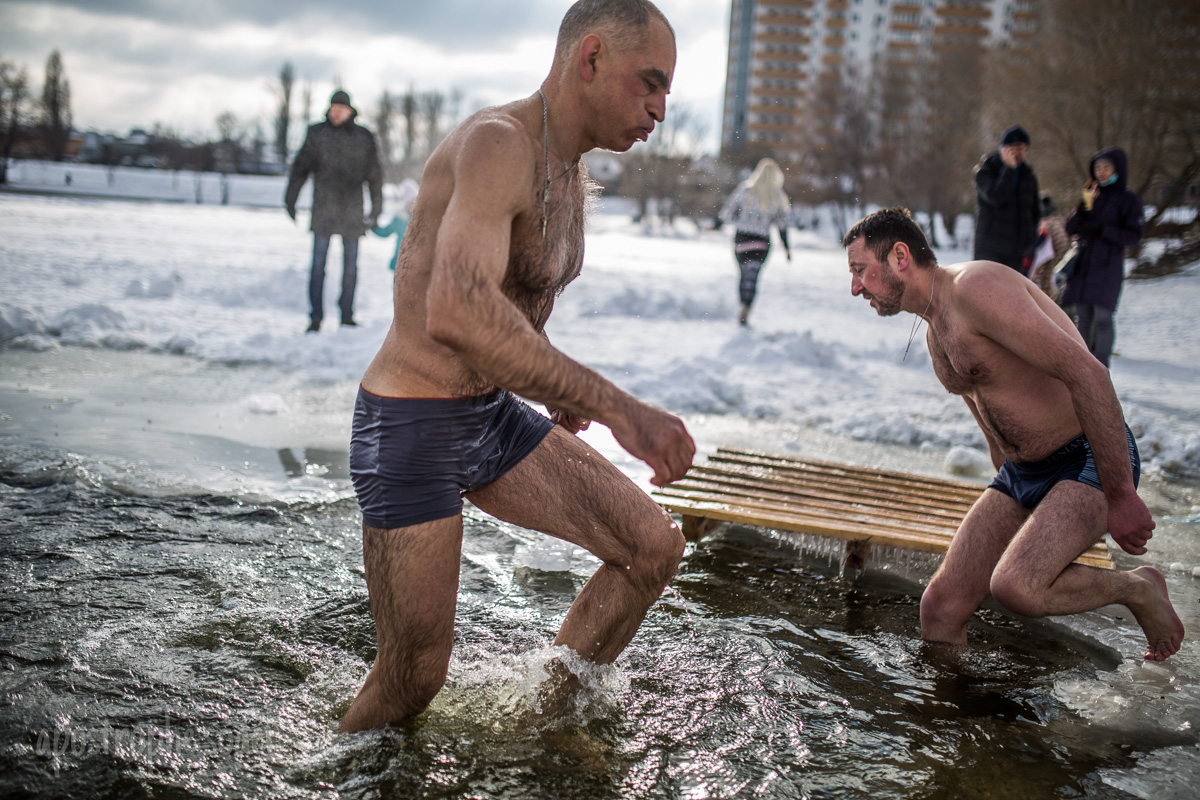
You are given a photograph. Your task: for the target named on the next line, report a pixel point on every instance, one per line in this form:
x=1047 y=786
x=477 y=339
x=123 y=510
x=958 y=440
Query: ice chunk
x=968 y=461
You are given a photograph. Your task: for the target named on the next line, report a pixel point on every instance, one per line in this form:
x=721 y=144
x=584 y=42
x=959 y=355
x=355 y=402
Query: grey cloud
x=451 y=25
x=172 y=51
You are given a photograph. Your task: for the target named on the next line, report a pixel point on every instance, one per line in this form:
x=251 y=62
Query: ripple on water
x=205 y=646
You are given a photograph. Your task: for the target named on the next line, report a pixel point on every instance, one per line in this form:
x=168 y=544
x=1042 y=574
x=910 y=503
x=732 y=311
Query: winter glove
x=1089 y=196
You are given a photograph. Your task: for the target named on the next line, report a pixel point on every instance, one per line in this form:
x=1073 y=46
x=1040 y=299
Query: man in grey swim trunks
x=1067 y=463
x=495 y=235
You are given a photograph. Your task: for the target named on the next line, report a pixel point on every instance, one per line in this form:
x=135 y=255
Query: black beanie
x=1014 y=135
x=340 y=98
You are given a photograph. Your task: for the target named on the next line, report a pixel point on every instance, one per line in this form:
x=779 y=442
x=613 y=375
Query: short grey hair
x=626 y=22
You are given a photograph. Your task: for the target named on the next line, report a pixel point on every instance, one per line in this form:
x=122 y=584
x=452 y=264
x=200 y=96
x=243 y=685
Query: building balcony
x=778 y=74
x=966 y=31
x=784 y=38
x=796 y=90
x=769 y=17
x=767 y=105
x=964 y=12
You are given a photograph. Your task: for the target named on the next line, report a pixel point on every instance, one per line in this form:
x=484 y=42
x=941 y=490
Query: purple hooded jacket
x=1113 y=224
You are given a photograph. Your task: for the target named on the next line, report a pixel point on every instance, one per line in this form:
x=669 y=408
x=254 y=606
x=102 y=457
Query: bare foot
x=1160 y=623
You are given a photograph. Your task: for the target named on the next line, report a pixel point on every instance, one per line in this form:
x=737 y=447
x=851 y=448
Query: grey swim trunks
x=412 y=459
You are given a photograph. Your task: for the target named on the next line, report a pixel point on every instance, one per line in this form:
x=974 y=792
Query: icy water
x=161 y=641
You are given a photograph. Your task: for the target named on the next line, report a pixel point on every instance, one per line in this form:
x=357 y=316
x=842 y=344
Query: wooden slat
x=705 y=480
x=862 y=504
x=846 y=511
x=853 y=476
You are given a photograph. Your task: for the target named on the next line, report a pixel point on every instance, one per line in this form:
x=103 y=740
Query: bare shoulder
x=981 y=277
x=492 y=145
x=987 y=287
x=999 y=302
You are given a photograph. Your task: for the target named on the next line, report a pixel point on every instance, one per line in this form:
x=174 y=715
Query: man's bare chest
x=540 y=267
x=962 y=362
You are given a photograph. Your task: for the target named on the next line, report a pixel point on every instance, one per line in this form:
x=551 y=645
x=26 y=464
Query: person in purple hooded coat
x=1108 y=220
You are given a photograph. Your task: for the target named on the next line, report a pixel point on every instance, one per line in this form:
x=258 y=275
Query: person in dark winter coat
x=1006 y=193
x=1107 y=220
x=341 y=156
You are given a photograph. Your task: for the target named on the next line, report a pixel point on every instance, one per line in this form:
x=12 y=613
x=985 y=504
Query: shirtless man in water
x=495 y=235
x=1068 y=465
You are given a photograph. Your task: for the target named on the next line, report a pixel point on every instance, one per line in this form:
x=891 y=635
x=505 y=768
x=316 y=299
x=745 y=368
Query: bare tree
x=928 y=146
x=229 y=147
x=842 y=129
x=427 y=117
x=1110 y=73
x=56 y=107
x=283 y=115
x=14 y=85
x=258 y=144
x=431 y=105
x=227 y=126
x=385 y=126
x=306 y=104
x=663 y=172
x=408 y=110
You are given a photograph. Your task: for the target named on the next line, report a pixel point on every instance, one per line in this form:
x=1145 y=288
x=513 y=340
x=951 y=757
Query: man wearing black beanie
x=1006 y=192
x=341 y=157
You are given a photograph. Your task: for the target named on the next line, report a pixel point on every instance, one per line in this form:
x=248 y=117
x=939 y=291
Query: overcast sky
x=134 y=63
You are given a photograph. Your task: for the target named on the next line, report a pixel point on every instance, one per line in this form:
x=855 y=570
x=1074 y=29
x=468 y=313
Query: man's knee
x=942 y=607
x=1013 y=592
x=658 y=550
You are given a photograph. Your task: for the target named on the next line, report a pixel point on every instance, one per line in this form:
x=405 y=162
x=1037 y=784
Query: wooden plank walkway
x=863 y=505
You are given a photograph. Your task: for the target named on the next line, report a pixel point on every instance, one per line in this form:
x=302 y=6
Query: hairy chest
x=541 y=266
x=963 y=362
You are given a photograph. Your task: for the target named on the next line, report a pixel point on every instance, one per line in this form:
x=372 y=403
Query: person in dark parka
x=1006 y=193
x=341 y=156
x=1107 y=221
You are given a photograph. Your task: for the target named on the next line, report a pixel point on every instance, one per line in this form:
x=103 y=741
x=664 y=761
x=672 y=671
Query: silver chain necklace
x=546 y=166
x=913 y=333
x=545 y=160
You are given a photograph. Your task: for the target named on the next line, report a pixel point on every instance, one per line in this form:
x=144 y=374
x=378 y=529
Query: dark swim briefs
x=412 y=459
x=1029 y=483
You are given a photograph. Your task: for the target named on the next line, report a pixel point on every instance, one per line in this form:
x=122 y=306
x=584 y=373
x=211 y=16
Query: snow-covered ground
x=654 y=311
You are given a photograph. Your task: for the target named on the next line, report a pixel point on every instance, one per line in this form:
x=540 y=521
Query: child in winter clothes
x=399 y=223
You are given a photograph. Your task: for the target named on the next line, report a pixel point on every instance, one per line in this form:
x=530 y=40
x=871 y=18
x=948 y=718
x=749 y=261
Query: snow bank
x=655 y=313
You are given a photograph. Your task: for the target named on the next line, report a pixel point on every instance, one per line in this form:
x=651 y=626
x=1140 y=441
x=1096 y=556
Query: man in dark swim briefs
x=1029 y=483
x=1068 y=465
x=496 y=233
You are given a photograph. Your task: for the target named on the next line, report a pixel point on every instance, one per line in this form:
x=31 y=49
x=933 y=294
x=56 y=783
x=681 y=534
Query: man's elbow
x=445 y=324
x=453 y=322
x=1085 y=370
